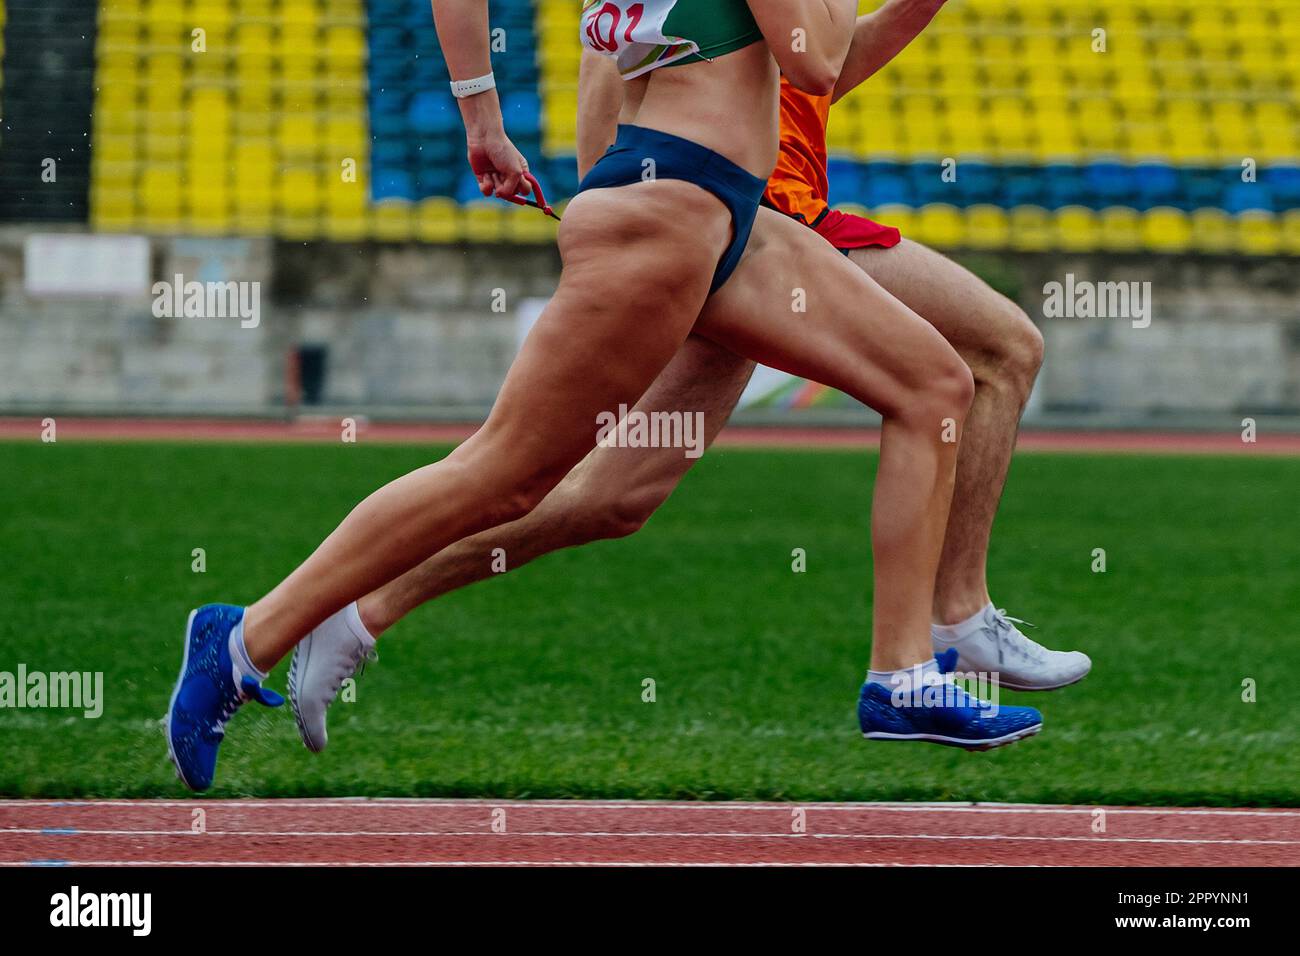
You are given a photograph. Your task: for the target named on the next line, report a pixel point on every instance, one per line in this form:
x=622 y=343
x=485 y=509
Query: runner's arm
x=880 y=36
x=463 y=34
x=600 y=97
x=808 y=38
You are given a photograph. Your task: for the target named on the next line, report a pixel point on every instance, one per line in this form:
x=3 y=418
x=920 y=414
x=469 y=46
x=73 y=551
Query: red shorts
x=846 y=231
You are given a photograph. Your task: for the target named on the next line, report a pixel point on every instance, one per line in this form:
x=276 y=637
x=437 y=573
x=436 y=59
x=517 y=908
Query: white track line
x=611 y=834
x=811 y=805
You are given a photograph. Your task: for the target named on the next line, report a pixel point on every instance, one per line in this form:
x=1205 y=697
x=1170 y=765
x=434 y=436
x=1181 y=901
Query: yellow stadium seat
x=345 y=208
x=113 y=214
x=345 y=136
x=1077 y=229
x=160 y=189
x=163 y=147
x=482 y=221
x=526 y=226
x=438 y=220
x=345 y=228
x=1258 y=233
x=249 y=134
x=1213 y=231
x=298 y=192
x=1031 y=229
x=1121 y=229
x=561 y=117
x=391 y=221
x=1289 y=230
x=940 y=224
x=345 y=44
x=300 y=13
x=297 y=137
x=207 y=210
x=987 y=227
x=1165 y=229
x=253 y=181
x=901 y=218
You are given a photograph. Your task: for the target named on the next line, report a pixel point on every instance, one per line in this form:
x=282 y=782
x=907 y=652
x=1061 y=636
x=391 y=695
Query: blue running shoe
x=208 y=692
x=943 y=714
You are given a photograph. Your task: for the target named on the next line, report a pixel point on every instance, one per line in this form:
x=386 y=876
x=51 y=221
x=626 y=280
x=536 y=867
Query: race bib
x=632 y=31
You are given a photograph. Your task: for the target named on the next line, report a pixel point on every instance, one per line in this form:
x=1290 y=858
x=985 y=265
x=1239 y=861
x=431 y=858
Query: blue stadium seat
x=1204 y=188
x=845 y=181
x=467 y=188
x=1159 y=184
x=415 y=123
x=435 y=113
x=522 y=110
x=1110 y=184
x=1240 y=197
x=393 y=184
x=390 y=153
x=1284 y=182
x=436 y=180
x=389 y=11
x=411 y=13
x=884 y=184
x=429 y=70
x=442 y=151
x=388 y=37
x=563 y=172
x=928 y=185
x=976 y=183
x=388 y=68
x=1053 y=186
x=388 y=125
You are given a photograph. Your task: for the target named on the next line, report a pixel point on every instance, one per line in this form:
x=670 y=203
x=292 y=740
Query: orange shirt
x=798 y=186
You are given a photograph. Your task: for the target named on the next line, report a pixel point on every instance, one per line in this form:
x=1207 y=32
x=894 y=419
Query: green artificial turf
x=531 y=685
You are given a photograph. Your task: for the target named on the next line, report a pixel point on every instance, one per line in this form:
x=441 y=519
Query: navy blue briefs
x=678 y=158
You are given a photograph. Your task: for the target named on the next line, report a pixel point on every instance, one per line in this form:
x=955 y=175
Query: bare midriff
x=730 y=105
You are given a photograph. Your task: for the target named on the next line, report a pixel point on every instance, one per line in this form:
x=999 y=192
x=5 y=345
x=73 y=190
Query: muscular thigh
x=966 y=311
x=797 y=304
x=638 y=262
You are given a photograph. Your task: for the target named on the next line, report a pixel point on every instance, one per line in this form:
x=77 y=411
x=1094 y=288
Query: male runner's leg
x=1004 y=350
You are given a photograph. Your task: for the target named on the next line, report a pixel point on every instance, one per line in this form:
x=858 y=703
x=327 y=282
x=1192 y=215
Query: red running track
x=322 y=430
x=534 y=833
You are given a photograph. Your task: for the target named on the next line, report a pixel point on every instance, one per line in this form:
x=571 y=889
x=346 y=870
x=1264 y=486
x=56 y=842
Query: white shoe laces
x=1008 y=636
x=350 y=665
x=218 y=729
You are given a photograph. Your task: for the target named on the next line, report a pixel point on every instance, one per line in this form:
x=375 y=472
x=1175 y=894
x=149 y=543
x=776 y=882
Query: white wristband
x=480 y=84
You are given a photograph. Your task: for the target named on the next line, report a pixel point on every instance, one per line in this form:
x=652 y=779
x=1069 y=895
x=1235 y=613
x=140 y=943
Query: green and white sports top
x=643 y=35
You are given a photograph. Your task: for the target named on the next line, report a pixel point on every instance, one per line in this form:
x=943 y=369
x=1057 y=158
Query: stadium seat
x=1283 y=180
x=1241 y=196
x=1057 y=146
x=1077 y=229
x=1165 y=229
x=433 y=113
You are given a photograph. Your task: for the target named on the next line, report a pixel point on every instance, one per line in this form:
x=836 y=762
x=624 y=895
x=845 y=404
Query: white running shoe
x=322 y=661
x=996 y=646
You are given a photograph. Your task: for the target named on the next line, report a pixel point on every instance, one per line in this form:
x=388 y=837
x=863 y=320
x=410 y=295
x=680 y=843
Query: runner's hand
x=498 y=165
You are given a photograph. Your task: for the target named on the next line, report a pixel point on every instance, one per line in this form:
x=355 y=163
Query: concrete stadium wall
x=1224 y=337
x=429 y=331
